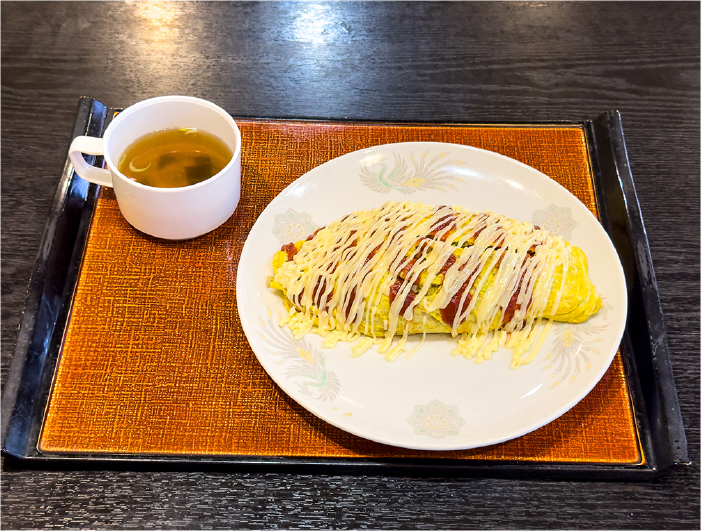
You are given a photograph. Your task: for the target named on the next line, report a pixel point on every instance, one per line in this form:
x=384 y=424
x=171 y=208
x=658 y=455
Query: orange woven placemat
x=154 y=360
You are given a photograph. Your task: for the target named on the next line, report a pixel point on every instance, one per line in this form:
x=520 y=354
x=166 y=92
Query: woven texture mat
x=154 y=359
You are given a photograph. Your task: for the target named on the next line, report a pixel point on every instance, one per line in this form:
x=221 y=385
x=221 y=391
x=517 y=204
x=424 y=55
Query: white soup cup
x=169 y=213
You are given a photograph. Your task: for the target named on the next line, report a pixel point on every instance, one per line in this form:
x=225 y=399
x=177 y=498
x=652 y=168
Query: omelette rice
x=410 y=268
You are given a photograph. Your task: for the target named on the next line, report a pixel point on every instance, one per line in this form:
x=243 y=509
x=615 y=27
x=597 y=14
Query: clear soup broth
x=173 y=158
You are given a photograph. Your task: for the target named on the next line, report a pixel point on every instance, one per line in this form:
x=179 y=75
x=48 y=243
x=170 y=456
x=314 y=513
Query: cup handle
x=89 y=145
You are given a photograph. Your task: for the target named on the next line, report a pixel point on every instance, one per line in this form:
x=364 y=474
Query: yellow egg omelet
x=408 y=268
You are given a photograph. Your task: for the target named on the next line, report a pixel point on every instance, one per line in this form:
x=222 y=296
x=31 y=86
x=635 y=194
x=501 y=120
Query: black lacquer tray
x=644 y=346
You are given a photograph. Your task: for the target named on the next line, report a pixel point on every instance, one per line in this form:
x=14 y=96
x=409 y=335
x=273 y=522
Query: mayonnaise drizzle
x=337 y=280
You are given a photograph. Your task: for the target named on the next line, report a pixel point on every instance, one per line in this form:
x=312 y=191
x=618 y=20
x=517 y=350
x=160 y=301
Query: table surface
x=447 y=61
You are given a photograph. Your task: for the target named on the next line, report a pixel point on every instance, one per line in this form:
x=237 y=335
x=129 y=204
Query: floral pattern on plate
x=426 y=173
x=556 y=220
x=293 y=226
x=574 y=345
x=307 y=366
x=436 y=420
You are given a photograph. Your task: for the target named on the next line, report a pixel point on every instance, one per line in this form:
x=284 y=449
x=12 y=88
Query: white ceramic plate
x=433 y=400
